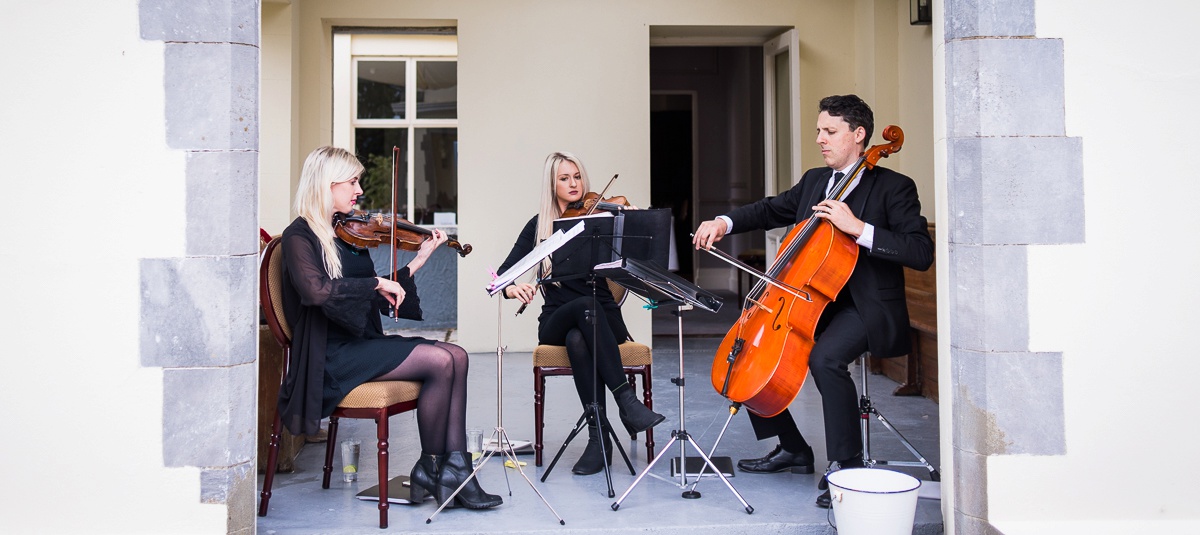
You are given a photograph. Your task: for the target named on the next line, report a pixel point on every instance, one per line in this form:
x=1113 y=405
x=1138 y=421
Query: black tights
x=442 y=407
x=568 y=326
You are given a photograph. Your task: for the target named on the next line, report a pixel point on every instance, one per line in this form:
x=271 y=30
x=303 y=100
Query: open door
x=781 y=110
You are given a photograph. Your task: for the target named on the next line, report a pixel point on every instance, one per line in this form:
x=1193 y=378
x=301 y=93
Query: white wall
x=278 y=117
x=91 y=188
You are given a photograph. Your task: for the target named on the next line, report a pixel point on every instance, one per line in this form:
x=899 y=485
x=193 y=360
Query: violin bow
x=601 y=196
x=395 y=313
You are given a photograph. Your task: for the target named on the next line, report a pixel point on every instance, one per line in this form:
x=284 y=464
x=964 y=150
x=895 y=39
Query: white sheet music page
x=543 y=250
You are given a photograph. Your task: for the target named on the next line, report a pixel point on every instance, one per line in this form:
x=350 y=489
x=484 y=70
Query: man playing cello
x=882 y=213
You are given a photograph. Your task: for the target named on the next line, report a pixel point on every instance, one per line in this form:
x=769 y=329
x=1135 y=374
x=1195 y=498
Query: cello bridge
x=760 y=305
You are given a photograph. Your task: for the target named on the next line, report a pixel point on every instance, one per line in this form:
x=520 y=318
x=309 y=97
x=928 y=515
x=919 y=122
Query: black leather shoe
x=824 y=501
x=779 y=460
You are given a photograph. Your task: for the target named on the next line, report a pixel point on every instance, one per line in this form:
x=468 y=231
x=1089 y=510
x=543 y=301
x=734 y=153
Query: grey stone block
x=970 y=489
x=988 y=18
x=1008 y=403
x=990 y=298
x=970 y=525
x=1015 y=190
x=212 y=21
x=222 y=203
x=199 y=311
x=211 y=96
x=1005 y=87
x=210 y=420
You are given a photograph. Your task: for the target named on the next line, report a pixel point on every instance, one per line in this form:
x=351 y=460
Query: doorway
x=707 y=147
x=672 y=169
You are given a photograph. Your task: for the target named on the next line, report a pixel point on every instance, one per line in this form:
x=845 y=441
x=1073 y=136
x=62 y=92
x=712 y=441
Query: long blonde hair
x=324 y=167
x=549 y=207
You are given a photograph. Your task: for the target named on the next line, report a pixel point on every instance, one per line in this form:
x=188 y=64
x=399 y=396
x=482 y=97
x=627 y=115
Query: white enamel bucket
x=873 y=501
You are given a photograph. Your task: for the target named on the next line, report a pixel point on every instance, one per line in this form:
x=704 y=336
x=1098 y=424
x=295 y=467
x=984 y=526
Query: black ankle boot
x=455 y=470
x=634 y=415
x=593 y=460
x=424 y=477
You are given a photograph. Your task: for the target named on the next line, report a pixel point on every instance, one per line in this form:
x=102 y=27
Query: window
x=396 y=98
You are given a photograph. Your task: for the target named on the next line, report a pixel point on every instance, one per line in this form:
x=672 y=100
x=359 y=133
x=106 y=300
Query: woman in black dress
x=332 y=300
x=565 y=312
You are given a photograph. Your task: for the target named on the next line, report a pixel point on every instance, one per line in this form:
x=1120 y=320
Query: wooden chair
x=376 y=400
x=552 y=360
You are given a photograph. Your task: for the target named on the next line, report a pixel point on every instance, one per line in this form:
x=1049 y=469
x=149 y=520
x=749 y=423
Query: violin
x=592 y=201
x=372 y=230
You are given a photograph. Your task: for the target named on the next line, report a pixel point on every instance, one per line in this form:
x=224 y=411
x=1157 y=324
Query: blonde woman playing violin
x=332 y=300
x=564 y=318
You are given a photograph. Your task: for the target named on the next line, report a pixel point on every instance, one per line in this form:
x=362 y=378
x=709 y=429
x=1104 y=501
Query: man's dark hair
x=851 y=109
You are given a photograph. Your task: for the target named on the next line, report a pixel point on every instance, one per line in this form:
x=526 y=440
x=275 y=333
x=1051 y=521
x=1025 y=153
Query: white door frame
x=787 y=42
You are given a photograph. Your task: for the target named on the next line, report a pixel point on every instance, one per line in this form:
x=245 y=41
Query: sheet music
x=542 y=250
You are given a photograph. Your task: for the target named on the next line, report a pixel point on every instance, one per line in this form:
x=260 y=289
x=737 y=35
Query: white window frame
x=351 y=48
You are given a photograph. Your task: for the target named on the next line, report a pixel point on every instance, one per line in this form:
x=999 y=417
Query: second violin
x=372 y=230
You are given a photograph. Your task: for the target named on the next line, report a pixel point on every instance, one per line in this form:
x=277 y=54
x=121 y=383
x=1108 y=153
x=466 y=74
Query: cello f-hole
x=777 y=324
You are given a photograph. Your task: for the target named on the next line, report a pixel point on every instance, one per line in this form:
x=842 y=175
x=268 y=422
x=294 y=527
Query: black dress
x=337 y=336
x=352 y=360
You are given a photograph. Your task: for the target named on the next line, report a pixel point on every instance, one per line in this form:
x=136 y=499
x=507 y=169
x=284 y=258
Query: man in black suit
x=882 y=213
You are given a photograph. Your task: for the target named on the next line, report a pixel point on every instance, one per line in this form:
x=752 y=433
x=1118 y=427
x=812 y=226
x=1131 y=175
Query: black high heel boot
x=424 y=478
x=634 y=415
x=456 y=469
x=592 y=460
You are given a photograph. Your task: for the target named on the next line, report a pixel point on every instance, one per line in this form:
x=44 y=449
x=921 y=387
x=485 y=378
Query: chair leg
x=330 y=444
x=381 y=430
x=912 y=368
x=272 y=459
x=648 y=399
x=539 y=393
x=632 y=381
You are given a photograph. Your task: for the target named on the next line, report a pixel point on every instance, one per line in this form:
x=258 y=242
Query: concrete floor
x=782 y=503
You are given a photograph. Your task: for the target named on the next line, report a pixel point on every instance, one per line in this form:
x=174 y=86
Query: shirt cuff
x=728 y=223
x=867 y=239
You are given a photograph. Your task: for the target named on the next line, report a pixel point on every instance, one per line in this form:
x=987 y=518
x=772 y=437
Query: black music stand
x=606 y=236
x=663 y=287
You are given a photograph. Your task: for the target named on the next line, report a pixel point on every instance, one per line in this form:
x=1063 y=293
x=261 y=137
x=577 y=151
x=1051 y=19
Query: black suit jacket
x=888 y=201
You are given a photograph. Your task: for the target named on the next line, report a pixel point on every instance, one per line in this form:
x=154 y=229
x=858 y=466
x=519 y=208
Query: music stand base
x=696 y=467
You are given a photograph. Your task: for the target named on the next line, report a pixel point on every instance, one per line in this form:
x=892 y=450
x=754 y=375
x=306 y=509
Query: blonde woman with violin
x=332 y=300
x=564 y=320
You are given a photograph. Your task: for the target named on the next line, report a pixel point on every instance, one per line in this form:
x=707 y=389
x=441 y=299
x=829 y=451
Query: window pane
x=381 y=90
x=374 y=149
x=437 y=89
x=435 y=171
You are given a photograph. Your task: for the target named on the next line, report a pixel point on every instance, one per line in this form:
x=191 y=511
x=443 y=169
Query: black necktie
x=836 y=177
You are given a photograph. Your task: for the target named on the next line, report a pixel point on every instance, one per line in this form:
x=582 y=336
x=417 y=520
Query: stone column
x=200 y=311
x=1014 y=181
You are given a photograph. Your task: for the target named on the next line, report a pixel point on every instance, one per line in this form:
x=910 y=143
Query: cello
x=763 y=360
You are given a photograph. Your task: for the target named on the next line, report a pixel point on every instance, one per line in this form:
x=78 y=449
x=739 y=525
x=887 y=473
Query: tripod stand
x=654 y=284
x=865 y=411
x=499 y=436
